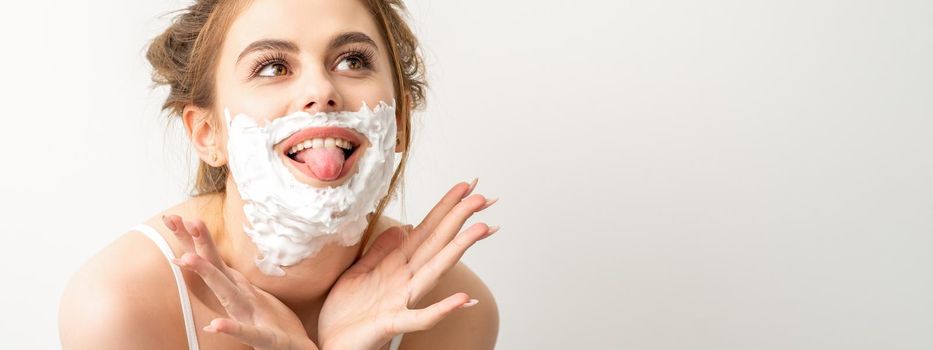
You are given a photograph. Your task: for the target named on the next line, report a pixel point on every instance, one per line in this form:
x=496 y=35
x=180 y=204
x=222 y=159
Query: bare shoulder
x=476 y=327
x=121 y=299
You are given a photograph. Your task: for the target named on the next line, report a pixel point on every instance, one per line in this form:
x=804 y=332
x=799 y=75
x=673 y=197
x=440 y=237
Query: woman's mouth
x=323 y=153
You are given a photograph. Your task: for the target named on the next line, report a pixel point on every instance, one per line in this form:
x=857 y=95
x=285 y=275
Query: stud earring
x=213 y=157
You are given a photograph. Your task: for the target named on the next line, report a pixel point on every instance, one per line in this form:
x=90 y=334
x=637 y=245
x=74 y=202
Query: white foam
x=289 y=220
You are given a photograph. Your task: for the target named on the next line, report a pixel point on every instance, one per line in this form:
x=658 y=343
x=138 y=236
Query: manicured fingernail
x=472 y=186
x=489 y=203
x=469 y=303
x=169 y=224
x=492 y=229
x=178 y=262
x=208 y=328
x=195 y=232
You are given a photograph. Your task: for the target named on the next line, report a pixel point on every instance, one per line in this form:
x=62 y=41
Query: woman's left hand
x=369 y=303
x=257 y=318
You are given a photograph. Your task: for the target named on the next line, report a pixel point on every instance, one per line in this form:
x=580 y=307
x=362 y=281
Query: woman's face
x=284 y=56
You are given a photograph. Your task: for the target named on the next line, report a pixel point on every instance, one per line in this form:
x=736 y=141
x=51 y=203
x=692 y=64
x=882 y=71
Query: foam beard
x=289 y=220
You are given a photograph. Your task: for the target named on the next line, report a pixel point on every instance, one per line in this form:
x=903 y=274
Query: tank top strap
x=396 y=341
x=179 y=281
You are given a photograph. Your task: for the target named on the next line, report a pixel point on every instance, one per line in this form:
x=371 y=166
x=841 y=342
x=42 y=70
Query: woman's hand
x=257 y=318
x=369 y=303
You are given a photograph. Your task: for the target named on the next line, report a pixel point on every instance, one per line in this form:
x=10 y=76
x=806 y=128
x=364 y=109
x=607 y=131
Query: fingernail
x=469 y=303
x=472 y=186
x=178 y=262
x=169 y=224
x=489 y=232
x=195 y=232
x=208 y=328
x=489 y=203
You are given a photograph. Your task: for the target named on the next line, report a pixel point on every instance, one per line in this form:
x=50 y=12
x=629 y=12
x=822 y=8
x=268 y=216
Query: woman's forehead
x=311 y=24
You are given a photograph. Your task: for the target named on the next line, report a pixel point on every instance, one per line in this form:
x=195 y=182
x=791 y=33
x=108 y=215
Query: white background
x=672 y=174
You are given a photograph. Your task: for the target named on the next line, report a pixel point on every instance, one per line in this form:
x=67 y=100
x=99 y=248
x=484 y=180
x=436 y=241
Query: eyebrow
x=268 y=44
x=288 y=46
x=351 y=38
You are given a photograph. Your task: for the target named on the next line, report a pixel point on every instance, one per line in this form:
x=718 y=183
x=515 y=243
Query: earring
x=213 y=157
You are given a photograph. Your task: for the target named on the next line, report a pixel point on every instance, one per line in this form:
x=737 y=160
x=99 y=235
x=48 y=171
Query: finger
x=446 y=230
x=423 y=319
x=447 y=202
x=229 y=295
x=450 y=199
x=492 y=229
x=427 y=276
x=204 y=243
x=258 y=337
x=471 y=188
x=384 y=244
x=489 y=203
x=240 y=280
x=176 y=224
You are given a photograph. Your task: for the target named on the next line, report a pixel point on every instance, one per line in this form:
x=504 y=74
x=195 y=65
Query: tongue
x=325 y=163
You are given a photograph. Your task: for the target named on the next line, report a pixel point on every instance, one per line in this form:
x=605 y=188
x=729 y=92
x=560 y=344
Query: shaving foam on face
x=289 y=220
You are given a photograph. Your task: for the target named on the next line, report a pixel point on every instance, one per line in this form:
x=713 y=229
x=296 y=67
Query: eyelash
x=265 y=60
x=364 y=54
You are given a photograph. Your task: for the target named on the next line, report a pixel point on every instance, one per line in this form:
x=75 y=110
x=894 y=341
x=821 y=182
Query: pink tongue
x=325 y=163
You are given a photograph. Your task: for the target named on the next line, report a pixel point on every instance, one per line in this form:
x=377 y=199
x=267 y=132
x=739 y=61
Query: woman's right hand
x=374 y=299
x=257 y=318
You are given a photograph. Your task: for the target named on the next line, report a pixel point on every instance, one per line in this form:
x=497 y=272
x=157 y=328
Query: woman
x=284 y=245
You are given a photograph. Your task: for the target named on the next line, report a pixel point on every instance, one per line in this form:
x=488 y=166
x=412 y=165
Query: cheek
x=354 y=100
x=262 y=106
x=372 y=91
x=265 y=104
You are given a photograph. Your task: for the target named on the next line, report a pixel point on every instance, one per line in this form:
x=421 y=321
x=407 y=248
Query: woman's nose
x=320 y=95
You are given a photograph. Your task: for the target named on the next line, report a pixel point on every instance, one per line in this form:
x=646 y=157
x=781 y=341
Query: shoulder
x=476 y=327
x=121 y=298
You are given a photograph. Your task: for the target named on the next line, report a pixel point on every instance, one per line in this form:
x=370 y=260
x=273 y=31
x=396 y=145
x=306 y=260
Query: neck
x=305 y=285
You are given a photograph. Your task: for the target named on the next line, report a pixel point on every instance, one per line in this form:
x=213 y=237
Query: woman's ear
x=203 y=135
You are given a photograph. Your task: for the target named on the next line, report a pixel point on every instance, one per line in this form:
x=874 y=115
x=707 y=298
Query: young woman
x=284 y=245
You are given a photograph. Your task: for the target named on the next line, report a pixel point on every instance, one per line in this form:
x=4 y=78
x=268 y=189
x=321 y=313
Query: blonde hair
x=183 y=58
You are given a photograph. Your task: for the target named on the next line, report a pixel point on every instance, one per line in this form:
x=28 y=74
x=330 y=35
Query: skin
x=125 y=297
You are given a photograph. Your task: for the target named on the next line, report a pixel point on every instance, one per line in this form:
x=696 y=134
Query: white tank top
x=183 y=290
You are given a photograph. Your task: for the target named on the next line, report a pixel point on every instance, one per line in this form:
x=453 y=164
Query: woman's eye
x=273 y=70
x=351 y=63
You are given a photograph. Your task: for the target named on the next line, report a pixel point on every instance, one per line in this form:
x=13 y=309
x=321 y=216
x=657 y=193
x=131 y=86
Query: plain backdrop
x=673 y=174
